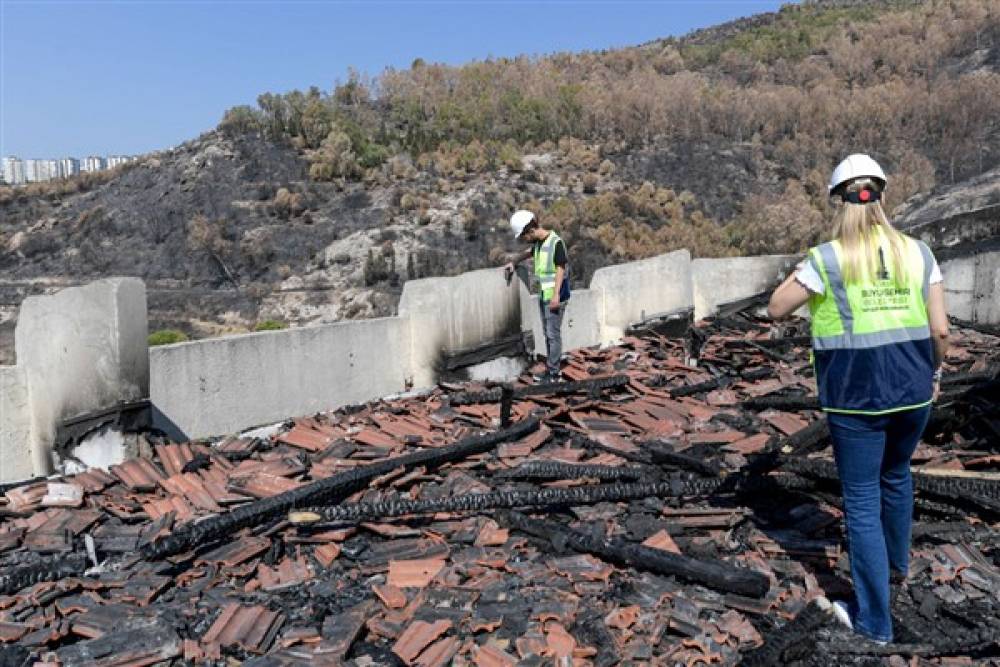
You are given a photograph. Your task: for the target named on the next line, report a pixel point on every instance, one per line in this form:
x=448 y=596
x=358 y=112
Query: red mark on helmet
x=864 y=195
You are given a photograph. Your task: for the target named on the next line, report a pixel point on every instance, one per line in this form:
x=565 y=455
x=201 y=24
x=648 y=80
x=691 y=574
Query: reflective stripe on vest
x=545 y=265
x=871 y=339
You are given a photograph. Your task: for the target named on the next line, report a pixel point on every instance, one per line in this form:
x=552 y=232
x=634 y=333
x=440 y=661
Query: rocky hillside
x=315 y=207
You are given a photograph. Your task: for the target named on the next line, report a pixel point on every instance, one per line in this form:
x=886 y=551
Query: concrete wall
x=458 y=313
x=972 y=287
x=221 y=385
x=642 y=289
x=81 y=349
x=84 y=348
x=718 y=281
x=15 y=425
x=582 y=321
x=619 y=295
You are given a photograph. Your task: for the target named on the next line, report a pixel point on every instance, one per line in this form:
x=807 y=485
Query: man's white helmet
x=854 y=166
x=520 y=220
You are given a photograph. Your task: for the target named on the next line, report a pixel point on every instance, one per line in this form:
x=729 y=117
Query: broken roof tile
x=783 y=421
x=662 y=540
x=491 y=655
x=749 y=445
x=391 y=596
x=583 y=567
x=174 y=457
x=138 y=474
x=491 y=534
x=326 y=553
x=307 y=438
x=439 y=654
x=236 y=552
x=340 y=630
x=93 y=480
x=416 y=573
x=252 y=628
x=418 y=636
x=62 y=495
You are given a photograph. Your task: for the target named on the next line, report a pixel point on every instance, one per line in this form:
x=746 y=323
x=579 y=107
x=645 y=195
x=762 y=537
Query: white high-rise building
x=92 y=163
x=16 y=171
x=115 y=160
x=13 y=170
x=30 y=170
x=69 y=167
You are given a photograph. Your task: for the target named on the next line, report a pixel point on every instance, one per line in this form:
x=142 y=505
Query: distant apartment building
x=69 y=167
x=92 y=163
x=30 y=171
x=13 y=170
x=17 y=171
x=115 y=160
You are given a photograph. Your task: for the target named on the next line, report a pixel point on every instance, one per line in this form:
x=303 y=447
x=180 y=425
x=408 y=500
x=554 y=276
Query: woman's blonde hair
x=857 y=228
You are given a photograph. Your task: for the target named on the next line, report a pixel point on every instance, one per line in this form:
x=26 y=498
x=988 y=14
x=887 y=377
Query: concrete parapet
x=718 y=281
x=582 y=321
x=221 y=385
x=15 y=425
x=457 y=313
x=642 y=289
x=972 y=287
x=81 y=349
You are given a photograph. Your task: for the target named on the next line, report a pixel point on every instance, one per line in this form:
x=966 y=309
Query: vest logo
x=882 y=299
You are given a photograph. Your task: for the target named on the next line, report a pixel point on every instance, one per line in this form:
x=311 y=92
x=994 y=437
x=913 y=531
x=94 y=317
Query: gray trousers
x=552 y=326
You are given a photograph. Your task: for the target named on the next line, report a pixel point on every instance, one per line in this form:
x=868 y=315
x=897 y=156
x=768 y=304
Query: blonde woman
x=879 y=334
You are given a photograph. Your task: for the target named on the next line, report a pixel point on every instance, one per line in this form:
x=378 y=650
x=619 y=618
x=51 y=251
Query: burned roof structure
x=673 y=503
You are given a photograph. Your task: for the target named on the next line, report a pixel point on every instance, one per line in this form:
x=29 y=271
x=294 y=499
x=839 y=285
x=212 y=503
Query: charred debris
x=674 y=502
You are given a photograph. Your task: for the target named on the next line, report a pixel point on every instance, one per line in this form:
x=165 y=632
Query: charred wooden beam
x=50 y=569
x=975 y=326
x=752 y=302
x=511 y=346
x=506 y=404
x=772 y=342
x=716 y=575
x=701 y=387
x=661 y=453
x=672 y=324
x=786 y=403
x=969 y=378
x=480 y=502
x=548 y=389
x=332 y=489
x=984 y=493
x=777 y=356
x=560 y=470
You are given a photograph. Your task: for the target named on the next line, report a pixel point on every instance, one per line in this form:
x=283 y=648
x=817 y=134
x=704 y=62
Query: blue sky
x=120 y=76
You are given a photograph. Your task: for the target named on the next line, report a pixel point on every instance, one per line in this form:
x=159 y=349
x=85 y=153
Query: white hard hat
x=520 y=220
x=854 y=166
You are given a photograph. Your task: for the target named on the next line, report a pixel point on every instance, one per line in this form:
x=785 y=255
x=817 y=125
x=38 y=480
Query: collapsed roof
x=674 y=502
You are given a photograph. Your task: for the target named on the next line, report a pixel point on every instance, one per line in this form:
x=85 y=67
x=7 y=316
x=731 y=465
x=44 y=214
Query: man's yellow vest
x=545 y=265
x=871 y=339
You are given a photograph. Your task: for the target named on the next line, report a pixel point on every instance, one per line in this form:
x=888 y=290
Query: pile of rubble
x=672 y=503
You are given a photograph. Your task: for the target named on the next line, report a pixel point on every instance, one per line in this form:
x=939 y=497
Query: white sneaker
x=842 y=614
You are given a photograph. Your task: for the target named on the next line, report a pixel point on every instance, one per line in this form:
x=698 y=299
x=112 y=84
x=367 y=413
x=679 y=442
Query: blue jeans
x=552 y=326
x=873 y=461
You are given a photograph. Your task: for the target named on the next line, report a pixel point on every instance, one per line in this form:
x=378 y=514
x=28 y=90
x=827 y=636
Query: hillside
x=317 y=206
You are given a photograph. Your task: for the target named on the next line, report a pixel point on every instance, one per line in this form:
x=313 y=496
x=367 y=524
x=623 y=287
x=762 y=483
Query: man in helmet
x=552 y=273
x=880 y=333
